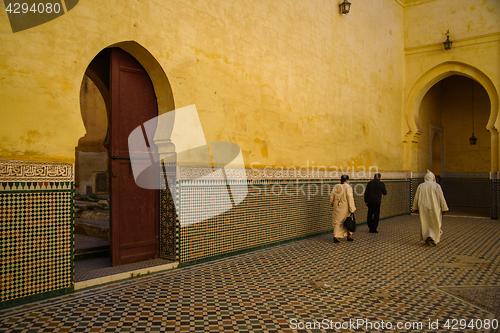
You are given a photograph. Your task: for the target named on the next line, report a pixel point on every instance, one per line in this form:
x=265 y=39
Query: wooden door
x=134 y=210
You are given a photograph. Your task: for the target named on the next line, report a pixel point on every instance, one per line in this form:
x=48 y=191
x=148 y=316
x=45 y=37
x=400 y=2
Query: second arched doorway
x=451 y=111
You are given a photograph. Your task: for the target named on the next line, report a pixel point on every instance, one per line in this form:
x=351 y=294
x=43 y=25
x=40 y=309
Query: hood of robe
x=340 y=189
x=429 y=177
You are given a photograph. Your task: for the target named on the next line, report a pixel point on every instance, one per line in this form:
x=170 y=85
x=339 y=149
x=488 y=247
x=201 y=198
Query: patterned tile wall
x=397 y=200
x=273 y=211
x=494 y=198
x=168 y=225
x=467 y=192
x=495 y=190
x=414 y=182
x=36 y=229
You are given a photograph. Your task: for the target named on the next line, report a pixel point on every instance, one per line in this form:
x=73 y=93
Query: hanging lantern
x=473 y=139
x=345 y=7
x=447 y=43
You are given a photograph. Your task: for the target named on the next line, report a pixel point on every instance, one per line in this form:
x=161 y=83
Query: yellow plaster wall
x=94 y=116
x=90 y=154
x=437 y=158
x=430 y=114
x=290 y=82
x=475 y=30
x=426 y=22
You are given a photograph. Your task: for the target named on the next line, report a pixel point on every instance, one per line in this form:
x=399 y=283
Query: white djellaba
x=429 y=201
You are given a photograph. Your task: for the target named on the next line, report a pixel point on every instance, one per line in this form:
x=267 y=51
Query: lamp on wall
x=447 y=43
x=472 y=139
x=345 y=7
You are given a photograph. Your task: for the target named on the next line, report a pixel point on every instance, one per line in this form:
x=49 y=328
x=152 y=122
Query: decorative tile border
x=315 y=173
x=29 y=171
x=416 y=175
x=284 y=173
x=34 y=186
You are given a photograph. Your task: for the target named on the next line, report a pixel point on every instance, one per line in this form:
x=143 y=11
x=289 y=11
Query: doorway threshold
x=94 y=272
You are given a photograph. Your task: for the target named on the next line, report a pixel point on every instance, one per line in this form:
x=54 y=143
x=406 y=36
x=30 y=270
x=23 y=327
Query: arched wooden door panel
x=134 y=210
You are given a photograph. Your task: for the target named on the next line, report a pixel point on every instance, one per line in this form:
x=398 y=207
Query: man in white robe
x=429 y=202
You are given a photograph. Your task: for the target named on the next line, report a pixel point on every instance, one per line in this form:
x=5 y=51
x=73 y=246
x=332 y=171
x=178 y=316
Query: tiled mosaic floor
x=390 y=276
x=487 y=297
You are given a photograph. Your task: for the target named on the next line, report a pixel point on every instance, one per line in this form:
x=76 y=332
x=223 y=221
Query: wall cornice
x=409 y=3
x=401 y=2
x=488 y=38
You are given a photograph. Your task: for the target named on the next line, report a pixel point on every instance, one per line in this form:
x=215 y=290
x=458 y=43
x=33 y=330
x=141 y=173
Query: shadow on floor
x=469 y=211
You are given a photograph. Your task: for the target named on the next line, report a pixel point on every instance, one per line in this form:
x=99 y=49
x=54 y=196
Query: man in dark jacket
x=373 y=199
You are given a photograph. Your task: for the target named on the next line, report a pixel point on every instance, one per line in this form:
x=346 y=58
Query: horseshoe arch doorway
x=134 y=89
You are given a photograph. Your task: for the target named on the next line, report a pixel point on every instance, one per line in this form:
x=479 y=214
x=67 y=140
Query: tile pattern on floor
x=390 y=276
x=487 y=297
